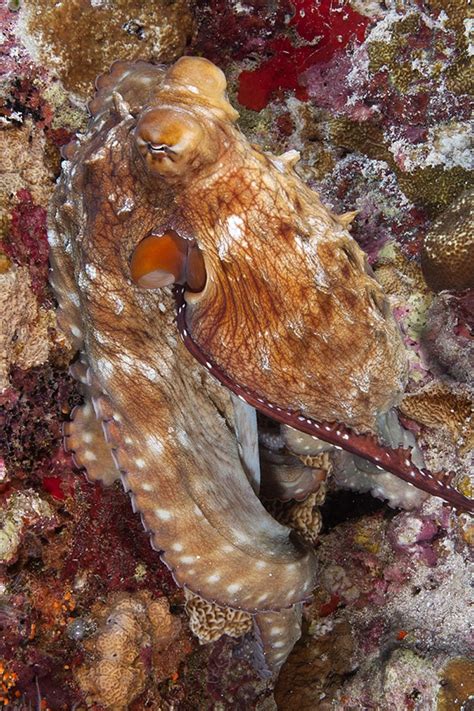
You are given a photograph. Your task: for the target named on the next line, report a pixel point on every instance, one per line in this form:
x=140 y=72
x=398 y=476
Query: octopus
x=200 y=280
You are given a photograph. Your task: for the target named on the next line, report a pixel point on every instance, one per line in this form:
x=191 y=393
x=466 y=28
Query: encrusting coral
x=438 y=405
x=25 y=338
x=129 y=626
x=447 y=255
x=80 y=39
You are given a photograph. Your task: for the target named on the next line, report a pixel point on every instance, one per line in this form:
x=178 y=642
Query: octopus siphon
x=185 y=259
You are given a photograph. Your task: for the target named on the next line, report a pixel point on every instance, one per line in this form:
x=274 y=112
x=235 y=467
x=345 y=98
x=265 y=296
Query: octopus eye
x=162 y=260
x=169 y=141
x=154 y=149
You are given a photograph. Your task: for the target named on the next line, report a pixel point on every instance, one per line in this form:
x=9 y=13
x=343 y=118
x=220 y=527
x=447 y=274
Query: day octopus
x=167 y=222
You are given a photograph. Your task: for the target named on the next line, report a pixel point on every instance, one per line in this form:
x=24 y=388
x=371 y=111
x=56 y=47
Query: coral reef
x=25 y=339
x=375 y=96
x=22 y=511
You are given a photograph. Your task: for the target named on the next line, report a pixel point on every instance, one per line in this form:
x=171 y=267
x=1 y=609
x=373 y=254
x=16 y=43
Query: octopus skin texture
x=274 y=300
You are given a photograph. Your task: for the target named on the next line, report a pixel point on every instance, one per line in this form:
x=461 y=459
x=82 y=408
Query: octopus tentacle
x=397 y=461
x=276 y=634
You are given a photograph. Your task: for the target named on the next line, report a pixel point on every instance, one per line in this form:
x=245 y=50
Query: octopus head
x=184 y=130
x=173 y=143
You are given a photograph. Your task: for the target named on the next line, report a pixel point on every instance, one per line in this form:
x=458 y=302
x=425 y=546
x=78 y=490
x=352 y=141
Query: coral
x=317 y=666
x=447 y=255
x=22 y=511
x=434 y=186
x=118 y=661
x=384 y=214
x=79 y=40
x=25 y=338
x=438 y=405
x=26 y=243
x=447 y=337
x=304 y=516
x=30 y=421
x=210 y=621
x=23 y=167
x=390 y=100
x=414 y=534
x=405 y=680
x=457 y=685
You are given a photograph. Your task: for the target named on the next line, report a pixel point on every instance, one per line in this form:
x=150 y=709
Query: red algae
x=326 y=27
x=26 y=243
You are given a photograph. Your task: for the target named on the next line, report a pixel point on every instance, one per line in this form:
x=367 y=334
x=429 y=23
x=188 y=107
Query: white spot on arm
x=163 y=514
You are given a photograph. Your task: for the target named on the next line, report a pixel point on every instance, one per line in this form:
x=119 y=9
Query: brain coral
x=209 y=621
x=115 y=672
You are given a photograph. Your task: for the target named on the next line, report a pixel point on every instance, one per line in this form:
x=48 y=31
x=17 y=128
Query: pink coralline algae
x=26 y=243
x=384 y=212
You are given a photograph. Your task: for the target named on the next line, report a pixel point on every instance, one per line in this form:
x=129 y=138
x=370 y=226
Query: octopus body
x=274 y=300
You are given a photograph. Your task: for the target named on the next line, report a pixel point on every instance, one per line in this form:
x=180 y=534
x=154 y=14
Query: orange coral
x=114 y=672
x=439 y=406
x=8 y=681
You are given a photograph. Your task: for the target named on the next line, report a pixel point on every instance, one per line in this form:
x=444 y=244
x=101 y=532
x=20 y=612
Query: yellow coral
x=447 y=256
x=439 y=406
x=80 y=39
x=457 y=688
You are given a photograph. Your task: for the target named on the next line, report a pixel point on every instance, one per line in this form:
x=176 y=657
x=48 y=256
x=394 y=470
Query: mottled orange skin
x=291 y=309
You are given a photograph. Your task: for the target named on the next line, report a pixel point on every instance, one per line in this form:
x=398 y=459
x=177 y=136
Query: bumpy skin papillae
x=161 y=412
x=291 y=317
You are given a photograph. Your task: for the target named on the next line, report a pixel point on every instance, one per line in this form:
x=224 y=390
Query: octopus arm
x=212 y=531
x=398 y=461
x=275 y=635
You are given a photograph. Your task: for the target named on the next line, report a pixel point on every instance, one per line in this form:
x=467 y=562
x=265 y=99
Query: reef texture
x=136 y=637
x=376 y=100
